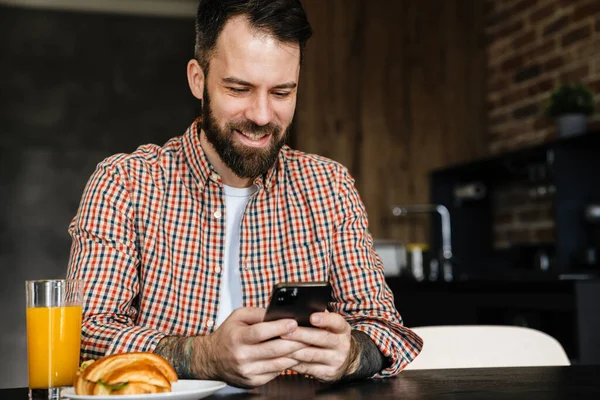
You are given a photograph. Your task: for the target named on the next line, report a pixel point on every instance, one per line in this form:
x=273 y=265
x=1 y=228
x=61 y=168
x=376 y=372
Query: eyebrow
x=289 y=85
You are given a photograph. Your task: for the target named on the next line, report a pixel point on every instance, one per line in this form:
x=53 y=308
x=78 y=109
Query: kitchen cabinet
x=566 y=169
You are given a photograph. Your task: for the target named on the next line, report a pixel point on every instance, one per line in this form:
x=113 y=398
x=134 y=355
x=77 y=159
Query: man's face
x=249 y=97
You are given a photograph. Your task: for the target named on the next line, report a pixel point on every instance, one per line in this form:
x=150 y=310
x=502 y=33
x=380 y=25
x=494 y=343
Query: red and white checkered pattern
x=149 y=240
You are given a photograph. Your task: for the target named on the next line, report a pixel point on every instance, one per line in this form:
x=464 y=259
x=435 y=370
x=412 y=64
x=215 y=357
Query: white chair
x=479 y=346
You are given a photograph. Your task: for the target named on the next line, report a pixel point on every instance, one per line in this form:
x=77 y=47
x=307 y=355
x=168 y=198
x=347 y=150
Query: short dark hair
x=285 y=20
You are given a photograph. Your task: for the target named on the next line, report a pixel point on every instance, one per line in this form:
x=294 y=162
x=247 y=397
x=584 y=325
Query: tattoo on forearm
x=371 y=359
x=179 y=352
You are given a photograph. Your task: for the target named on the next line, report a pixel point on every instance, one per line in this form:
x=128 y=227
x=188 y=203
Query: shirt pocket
x=305 y=263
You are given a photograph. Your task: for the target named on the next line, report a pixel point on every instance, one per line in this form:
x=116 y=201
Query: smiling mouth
x=253 y=139
x=252 y=136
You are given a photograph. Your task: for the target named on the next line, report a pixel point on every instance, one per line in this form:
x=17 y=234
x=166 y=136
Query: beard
x=244 y=161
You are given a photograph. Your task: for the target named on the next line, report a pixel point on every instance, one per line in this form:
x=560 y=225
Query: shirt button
x=217 y=214
x=247 y=267
x=217 y=270
x=210 y=323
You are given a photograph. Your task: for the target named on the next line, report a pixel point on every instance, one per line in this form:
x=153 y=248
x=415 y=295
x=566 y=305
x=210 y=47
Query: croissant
x=127 y=373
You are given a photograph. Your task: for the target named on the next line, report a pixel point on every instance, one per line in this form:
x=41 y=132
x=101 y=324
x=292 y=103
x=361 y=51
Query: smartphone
x=298 y=300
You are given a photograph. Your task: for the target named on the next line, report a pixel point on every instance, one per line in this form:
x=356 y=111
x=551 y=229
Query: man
x=181 y=245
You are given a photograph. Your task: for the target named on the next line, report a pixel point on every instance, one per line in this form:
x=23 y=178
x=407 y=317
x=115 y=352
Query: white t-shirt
x=231 y=286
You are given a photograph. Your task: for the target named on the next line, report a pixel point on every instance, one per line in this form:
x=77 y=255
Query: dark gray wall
x=74 y=89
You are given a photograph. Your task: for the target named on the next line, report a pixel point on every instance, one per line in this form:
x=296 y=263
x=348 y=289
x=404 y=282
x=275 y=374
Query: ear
x=195 y=76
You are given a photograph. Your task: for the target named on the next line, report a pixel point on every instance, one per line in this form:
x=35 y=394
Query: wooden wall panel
x=392 y=89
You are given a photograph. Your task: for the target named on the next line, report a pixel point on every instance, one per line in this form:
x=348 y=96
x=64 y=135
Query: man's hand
x=240 y=350
x=331 y=353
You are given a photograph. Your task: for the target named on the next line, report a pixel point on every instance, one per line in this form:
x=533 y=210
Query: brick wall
x=534 y=46
x=522 y=215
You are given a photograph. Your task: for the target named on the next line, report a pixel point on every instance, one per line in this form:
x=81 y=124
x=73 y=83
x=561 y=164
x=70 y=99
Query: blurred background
x=482 y=198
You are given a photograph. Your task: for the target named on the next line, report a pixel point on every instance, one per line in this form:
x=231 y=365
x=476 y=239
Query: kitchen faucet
x=401 y=210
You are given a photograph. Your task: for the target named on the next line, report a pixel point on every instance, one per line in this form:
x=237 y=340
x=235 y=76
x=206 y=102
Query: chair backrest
x=478 y=346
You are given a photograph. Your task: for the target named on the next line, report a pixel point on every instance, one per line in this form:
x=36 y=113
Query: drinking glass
x=53 y=335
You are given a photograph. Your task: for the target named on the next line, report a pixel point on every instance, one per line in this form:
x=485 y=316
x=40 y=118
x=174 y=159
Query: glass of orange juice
x=53 y=335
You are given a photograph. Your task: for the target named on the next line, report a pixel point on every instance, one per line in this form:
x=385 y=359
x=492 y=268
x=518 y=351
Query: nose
x=260 y=111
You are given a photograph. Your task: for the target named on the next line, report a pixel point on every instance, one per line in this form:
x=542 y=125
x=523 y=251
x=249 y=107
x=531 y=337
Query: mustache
x=251 y=127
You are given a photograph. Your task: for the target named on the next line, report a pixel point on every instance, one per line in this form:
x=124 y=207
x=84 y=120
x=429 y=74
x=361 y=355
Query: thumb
x=248 y=315
x=332 y=322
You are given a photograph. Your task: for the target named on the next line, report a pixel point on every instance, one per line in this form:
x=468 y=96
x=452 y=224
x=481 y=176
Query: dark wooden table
x=574 y=382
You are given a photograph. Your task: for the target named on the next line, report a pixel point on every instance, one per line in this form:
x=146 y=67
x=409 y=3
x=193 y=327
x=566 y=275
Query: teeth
x=253 y=136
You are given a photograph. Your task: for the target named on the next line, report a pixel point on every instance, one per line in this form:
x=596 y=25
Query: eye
x=282 y=95
x=238 y=90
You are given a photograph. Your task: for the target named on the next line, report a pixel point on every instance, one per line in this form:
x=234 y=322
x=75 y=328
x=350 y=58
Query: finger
x=263 y=331
x=333 y=322
x=274 y=366
x=314 y=337
x=315 y=355
x=248 y=315
x=319 y=371
x=273 y=349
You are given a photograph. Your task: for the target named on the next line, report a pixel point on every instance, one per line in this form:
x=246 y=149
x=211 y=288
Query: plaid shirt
x=149 y=241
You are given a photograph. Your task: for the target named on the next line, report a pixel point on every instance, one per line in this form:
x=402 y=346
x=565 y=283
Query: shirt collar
x=202 y=170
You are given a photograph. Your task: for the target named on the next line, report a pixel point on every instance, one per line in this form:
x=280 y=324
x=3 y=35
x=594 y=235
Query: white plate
x=181 y=390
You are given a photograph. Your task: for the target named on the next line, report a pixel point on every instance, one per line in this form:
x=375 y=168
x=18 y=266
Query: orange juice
x=53 y=340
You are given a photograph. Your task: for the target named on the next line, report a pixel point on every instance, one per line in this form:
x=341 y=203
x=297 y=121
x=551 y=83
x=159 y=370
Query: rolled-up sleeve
x=360 y=292
x=104 y=255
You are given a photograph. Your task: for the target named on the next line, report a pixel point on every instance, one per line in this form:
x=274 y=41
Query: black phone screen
x=298 y=300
